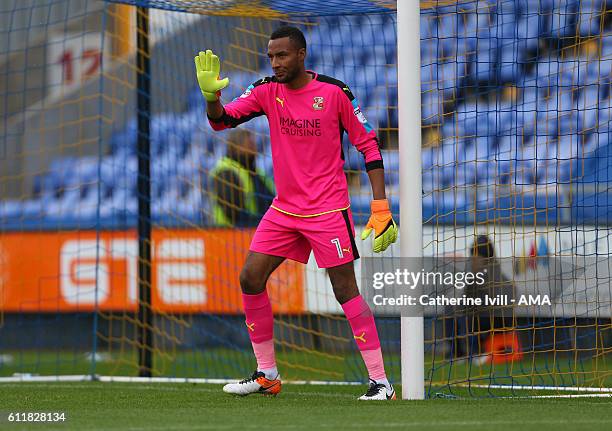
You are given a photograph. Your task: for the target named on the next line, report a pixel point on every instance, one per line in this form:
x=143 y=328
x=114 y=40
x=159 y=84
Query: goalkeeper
x=307 y=114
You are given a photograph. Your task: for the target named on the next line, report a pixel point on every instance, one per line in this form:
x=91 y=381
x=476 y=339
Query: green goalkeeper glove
x=208 y=67
x=381 y=221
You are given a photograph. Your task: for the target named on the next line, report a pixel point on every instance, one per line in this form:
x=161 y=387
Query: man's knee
x=344 y=283
x=252 y=282
x=345 y=290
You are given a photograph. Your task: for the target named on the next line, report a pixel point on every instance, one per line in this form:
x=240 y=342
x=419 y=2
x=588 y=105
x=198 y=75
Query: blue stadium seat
x=449 y=24
x=441 y=172
x=592 y=205
x=124 y=201
x=51 y=183
x=485 y=60
x=392 y=109
x=62 y=207
x=429 y=77
x=476 y=149
x=432 y=108
x=62 y=169
x=571 y=72
x=590 y=74
x=166 y=130
x=374 y=107
x=520 y=208
x=447 y=78
x=565 y=156
x=427 y=25
x=603 y=129
x=561 y=19
x=606 y=46
x=589 y=17
x=531 y=94
x=547 y=72
x=588 y=103
x=373 y=20
x=507 y=149
x=360 y=205
x=429 y=51
x=33 y=209
x=535 y=153
x=369 y=35
x=376 y=59
x=10 y=210
x=445 y=206
x=589 y=96
x=591 y=144
x=479 y=22
x=391 y=160
x=429 y=180
x=547 y=117
x=181 y=198
x=512 y=57
x=473 y=119
x=85 y=171
x=195 y=101
x=466 y=174
x=530 y=25
x=124 y=139
x=205 y=164
x=502 y=119
x=351 y=162
x=389 y=33
x=606 y=78
x=427 y=157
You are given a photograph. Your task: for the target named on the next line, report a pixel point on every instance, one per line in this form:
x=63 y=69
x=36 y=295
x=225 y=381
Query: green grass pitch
x=160 y=406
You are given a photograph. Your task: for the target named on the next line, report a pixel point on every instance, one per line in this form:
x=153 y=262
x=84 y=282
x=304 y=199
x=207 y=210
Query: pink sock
x=260 y=326
x=362 y=323
x=373 y=360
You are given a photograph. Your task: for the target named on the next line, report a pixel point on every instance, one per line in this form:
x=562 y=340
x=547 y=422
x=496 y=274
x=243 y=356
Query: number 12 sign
x=72 y=58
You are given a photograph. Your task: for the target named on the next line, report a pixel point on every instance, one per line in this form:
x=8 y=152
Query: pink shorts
x=330 y=236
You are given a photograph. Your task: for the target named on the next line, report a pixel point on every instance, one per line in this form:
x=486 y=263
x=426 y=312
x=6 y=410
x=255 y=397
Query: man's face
x=478 y=263
x=246 y=152
x=249 y=146
x=286 y=59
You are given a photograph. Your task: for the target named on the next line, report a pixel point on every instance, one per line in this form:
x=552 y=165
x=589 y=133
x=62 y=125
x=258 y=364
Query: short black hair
x=482 y=247
x=293 y=33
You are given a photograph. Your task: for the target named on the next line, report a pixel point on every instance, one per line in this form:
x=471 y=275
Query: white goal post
x=411 y=231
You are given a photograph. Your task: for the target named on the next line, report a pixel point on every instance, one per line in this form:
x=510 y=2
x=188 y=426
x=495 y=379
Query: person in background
x=472 y=325
x=241 y=193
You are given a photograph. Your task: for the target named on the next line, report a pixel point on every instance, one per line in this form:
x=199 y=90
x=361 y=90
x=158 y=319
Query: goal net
x=515 y=111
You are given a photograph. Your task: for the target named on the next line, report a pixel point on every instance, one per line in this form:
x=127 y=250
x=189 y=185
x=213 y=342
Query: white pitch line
x=541 y=388
x=399 y=425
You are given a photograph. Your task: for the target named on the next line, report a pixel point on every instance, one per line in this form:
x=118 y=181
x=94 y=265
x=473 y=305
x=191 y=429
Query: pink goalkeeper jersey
x=306 y=127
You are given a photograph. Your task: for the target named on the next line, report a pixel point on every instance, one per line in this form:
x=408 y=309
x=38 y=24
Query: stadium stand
x=512 y=103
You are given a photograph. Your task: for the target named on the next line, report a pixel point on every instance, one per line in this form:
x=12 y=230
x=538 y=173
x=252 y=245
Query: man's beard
x=290 y=75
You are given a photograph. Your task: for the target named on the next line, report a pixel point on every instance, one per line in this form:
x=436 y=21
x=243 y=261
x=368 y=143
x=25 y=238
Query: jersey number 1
x=336 y=241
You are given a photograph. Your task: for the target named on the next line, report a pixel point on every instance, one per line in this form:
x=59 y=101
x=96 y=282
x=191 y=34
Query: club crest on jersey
x=318 y=103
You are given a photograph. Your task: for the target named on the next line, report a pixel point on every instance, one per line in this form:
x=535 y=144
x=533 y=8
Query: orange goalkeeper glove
x=381 y=221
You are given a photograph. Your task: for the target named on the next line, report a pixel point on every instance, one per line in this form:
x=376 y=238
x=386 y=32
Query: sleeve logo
x=246 y=93
x=360 y=116
x=318 y=103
